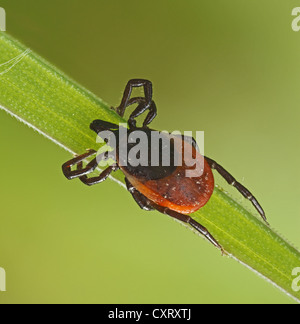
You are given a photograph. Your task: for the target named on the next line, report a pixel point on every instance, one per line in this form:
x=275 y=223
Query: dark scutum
x=146 y=171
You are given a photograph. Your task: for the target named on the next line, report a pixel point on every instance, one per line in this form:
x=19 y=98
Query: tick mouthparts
x=100 y=126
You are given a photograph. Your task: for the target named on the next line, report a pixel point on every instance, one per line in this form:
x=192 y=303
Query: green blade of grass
x=44 y=98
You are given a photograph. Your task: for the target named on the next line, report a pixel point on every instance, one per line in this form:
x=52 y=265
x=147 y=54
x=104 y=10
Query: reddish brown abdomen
x=177 y=191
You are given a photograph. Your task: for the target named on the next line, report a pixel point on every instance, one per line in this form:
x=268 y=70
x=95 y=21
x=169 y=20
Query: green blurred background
x=228 y=68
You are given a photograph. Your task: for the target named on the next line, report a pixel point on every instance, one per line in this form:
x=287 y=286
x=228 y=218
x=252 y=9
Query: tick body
x=161 y=187
x=168 y=186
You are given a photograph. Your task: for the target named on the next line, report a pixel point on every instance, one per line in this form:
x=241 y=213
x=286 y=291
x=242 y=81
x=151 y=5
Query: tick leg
x=95 y=180
x=144 y=102
x=139 y=198
x=135 y=83
x=189 y=220
x=142 y=106
x=232 y=181
x=139 y=110
x=77 y=173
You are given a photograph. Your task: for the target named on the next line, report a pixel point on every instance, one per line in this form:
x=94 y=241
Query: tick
x=166 y=189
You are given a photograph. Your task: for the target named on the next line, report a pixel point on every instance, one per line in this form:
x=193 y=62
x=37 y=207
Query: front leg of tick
x=135 y=83
x=144 y=103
